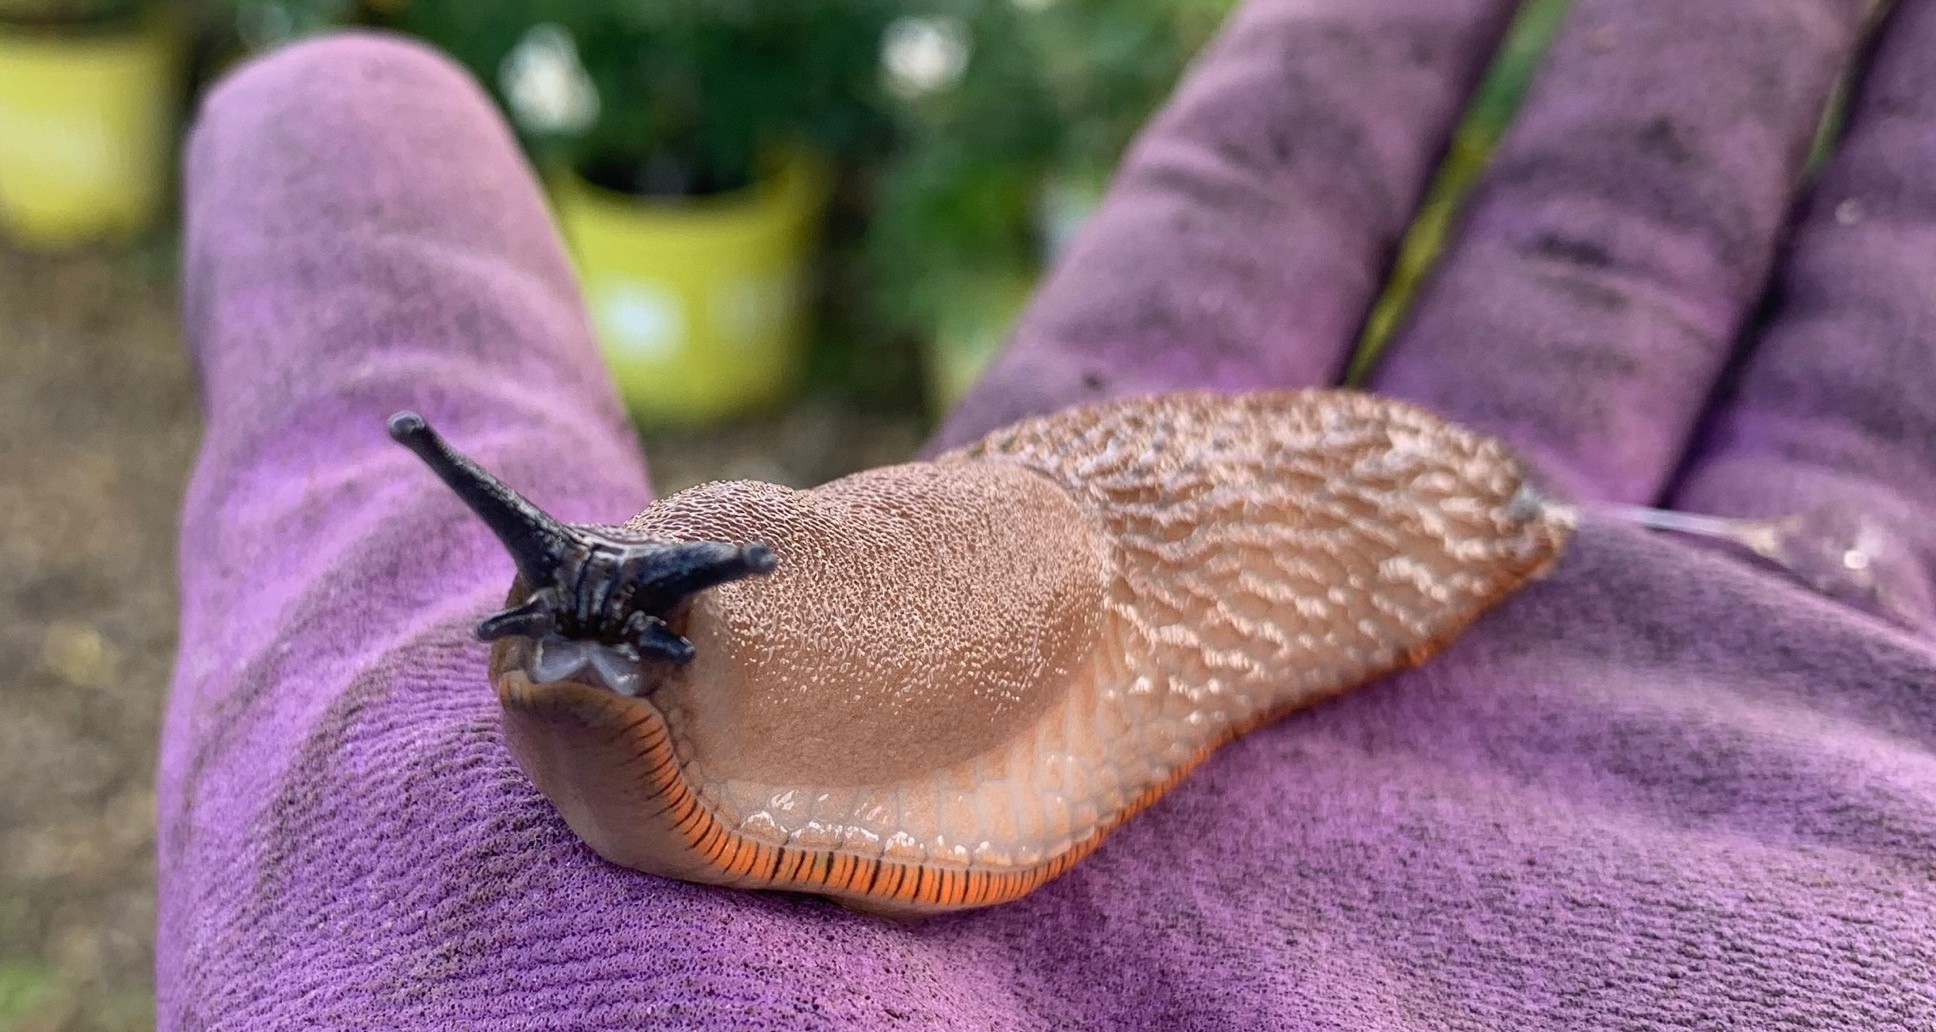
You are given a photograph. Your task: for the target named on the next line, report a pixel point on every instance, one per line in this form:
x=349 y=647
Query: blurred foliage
x=987 y=170
x=1828 y=132
x=1491 y=109
x=955 y=200
x=691 y=92
x=688 y=93
x=71 y=14
x=972 y=133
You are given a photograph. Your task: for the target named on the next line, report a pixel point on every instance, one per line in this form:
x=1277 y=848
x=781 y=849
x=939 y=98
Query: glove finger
x=1604 y=264
x=1835 y=407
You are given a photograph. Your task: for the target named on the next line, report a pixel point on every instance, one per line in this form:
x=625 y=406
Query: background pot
x=699 y=304
x=87 y=124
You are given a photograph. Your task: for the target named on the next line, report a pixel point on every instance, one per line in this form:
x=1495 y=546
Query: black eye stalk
x=588 y=583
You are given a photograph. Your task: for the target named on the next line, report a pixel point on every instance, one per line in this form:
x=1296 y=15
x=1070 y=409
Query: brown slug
x=937 y=685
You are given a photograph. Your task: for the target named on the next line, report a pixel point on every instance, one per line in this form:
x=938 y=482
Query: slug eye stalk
x=588 y=584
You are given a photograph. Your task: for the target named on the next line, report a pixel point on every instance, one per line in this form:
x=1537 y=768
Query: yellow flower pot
x=698 y=305
x=87 y=120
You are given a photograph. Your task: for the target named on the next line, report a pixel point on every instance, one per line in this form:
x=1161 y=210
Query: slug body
x=959 y=675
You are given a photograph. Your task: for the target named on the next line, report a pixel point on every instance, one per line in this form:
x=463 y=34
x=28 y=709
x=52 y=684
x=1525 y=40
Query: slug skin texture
x=963 y=673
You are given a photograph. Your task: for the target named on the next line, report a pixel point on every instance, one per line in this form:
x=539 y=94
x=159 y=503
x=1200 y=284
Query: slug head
x=598 y=597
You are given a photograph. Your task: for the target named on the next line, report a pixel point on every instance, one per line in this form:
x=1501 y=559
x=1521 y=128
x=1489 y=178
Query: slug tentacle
x=538 y=544
x=660 y=579
x=604 y=586
x=650 y=635
x=533 y=619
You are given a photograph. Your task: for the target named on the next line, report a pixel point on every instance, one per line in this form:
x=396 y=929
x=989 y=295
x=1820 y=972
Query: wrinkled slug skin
x=964 y=673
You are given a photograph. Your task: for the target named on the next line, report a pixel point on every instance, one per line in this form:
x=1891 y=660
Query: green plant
x=957 y=194
x=67 y=14
x=667 y=97
x=993 y=167
x=690 y=94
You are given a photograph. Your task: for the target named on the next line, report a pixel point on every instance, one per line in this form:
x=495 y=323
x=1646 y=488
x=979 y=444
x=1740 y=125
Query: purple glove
x=1660 y=790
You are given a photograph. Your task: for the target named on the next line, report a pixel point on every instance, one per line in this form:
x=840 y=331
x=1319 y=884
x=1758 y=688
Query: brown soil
x=98 y=426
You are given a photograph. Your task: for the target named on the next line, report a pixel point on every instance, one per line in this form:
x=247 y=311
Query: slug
x=935 y=686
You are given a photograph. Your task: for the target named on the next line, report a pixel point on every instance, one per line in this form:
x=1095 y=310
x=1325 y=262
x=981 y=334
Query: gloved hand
x=1661 y=789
